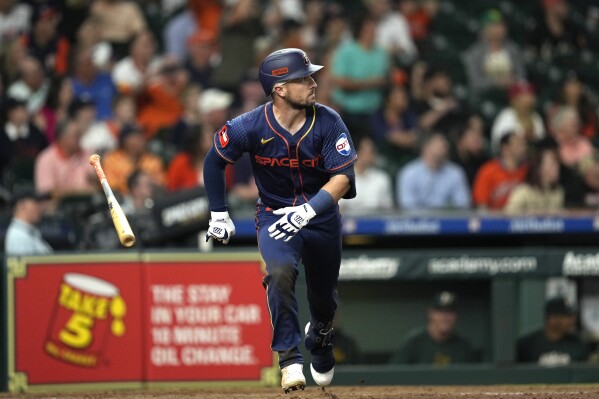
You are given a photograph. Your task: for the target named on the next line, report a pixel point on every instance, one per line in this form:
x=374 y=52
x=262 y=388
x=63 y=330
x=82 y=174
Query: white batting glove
x=220 y=227
x=294 y=218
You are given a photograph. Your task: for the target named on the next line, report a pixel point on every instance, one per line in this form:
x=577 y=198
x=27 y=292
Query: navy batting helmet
x=284 y=65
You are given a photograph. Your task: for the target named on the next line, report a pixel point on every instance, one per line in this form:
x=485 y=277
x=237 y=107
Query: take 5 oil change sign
x=75 y=323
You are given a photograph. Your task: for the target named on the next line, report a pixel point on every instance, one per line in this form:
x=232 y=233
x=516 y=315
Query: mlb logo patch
x=223 y=137
x=342 y=145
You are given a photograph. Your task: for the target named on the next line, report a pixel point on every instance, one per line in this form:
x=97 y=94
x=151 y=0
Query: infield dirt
x=345 y=392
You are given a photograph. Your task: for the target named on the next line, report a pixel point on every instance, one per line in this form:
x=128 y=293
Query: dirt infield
x=358 y=392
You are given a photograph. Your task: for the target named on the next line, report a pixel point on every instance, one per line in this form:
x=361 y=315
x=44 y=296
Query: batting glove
x=220 y=227
x=294 y=218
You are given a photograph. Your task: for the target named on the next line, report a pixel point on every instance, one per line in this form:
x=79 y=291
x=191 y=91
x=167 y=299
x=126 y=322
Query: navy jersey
x=288 y=169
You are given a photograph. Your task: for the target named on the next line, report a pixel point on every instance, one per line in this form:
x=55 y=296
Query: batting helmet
x=284 y=65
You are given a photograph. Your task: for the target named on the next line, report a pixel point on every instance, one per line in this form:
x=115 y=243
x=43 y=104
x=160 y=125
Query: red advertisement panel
x=79 y=323
x=206 y=322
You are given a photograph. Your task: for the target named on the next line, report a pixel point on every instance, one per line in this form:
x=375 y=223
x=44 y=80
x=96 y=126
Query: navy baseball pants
x=318 y=246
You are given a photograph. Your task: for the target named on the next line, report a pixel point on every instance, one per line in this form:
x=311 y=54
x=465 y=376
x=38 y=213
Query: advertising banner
x=469 y=263
x=206 y=322
x=115 y=321
x=74 y=322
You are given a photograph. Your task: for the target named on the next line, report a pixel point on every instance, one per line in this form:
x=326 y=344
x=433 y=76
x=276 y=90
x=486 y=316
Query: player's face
x=300 y=93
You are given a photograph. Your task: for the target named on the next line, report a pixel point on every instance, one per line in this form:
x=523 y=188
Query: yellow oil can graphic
x=86 y=313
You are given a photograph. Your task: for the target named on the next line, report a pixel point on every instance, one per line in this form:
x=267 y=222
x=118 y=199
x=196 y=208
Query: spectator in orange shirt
x=185 y=169
x=132 y=155
x=160 y=103
x=497 y=178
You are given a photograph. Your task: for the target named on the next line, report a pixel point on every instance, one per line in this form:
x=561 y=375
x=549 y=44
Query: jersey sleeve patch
x=223 y=136
x=342 y=145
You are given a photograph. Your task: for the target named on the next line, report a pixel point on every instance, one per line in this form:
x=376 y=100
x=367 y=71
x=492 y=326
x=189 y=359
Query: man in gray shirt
x=22 y=236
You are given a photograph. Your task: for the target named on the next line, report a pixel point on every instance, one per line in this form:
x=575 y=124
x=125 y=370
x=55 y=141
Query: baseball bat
x=121 y=224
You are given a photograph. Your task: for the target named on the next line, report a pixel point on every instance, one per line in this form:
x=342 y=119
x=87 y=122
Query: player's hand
x=294 y=218
x=220 y=227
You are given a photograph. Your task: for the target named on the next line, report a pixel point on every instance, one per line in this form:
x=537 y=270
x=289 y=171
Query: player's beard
x=307 y=103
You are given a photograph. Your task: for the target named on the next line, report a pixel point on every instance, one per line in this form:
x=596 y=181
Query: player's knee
x=282 y=277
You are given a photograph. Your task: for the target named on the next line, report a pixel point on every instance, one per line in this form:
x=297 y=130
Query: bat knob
x=95 y=158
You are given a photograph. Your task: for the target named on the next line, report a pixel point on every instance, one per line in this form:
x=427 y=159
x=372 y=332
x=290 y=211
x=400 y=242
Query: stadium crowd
x=487 y=105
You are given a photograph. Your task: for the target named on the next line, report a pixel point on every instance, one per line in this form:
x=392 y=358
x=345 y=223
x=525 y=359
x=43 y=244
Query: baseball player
x=302 y=157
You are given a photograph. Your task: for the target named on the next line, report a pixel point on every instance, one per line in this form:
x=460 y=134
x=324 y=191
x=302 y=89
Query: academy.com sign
x=580 y=264
x=369 y=268
x=482 y=265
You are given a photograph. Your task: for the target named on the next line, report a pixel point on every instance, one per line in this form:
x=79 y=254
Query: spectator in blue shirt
x=431 y=181
x=89 y=82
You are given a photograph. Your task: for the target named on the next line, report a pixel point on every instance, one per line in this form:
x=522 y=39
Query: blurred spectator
x=32 y=86
x=392 y=31
x=372 y=184
x=557 y=34
x=186 y=168
x=556 y=343
x=519 y=117
x=240 y=26
x=141 y=192
x=119 y=22
x=190 y=118
x=89 y=39
x=73 y=15
x=573 y=93
x=438 y=343
x=251 y=95
x=359 y=72
x=23 y=237
x=131 y=73
x=97 y=136
x=178 y=30
x=290 y=35
x=131 y=155
x=432 y=181
x=98 y=232
x=63 y=168
x=419 y=15
x=493 y=61
x=541 y=193
x=394 y=126
x=335 y=32
x=14 y=54
x=208 y=13
x=200 y=58
x=56 y=109
x=89 y=81
x=497 y=178
x=573 y=147
x=14 y=20
x=469 y=149
x=20 y=140
x=584 y=194
x=214 y=107
x=45 y=43
x=101 y=136
x=310 y=30
x=438 y=109
x=161 y=102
